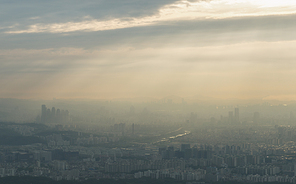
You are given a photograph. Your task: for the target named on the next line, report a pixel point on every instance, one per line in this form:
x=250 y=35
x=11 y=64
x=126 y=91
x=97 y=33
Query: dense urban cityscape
x=147 y=92
x=121 y=141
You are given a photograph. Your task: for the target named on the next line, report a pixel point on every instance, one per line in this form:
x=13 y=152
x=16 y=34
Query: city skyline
x=158 y=91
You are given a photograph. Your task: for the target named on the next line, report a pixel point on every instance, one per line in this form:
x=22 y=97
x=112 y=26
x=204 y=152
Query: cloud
x=179 y=33
x=55 y=11
x=147 y=48
x=180 y=10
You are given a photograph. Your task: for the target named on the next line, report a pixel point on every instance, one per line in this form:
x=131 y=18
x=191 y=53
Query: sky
x=106 y=49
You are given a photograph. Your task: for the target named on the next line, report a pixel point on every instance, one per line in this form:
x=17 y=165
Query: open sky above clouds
x=131 y=48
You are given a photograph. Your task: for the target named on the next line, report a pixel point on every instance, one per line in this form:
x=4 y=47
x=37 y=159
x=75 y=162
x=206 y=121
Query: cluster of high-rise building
x=235 y=118
x=54 y=115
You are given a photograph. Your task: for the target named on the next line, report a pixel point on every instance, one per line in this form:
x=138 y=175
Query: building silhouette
x=53 y=115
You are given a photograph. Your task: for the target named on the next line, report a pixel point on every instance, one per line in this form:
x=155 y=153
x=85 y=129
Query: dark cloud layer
x=26 y=12
x=194 y=33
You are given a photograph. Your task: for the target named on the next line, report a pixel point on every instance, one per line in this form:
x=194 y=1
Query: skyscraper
x=54 y=115
x=53 y=111
x=48 y=115
x=58 y=115
x=43 y=113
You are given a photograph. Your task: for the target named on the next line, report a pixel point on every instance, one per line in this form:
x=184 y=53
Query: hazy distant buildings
x=119 y=128
x=58 y=113
x=169 y=101
x=256 y=117
x=43 y=113
x=230 y=117
x=133 y=129
x=236 y=115
x=132 y=110
x=233 y=118
x=292 y=117
x=53 y=112
x=193 y=117
x=184 y=147
x=53 y=115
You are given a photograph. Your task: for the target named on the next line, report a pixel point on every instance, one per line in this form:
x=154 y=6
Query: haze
x=220 y=49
